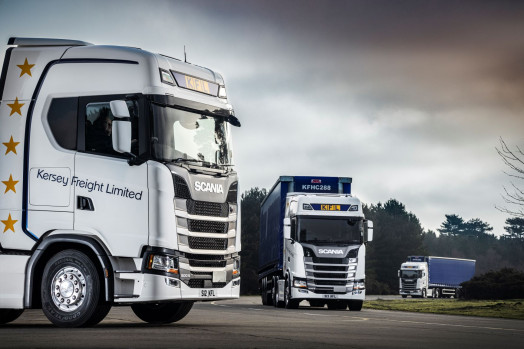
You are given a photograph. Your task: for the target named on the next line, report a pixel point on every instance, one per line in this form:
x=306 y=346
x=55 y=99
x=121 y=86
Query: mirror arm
x=134 y=160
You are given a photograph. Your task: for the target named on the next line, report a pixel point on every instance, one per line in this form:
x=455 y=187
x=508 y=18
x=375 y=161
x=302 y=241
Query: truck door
x=111 y=196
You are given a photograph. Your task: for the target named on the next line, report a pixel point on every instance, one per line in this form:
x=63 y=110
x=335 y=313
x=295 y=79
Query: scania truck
x=437 y=277
x=118 y=186
x=313 y=237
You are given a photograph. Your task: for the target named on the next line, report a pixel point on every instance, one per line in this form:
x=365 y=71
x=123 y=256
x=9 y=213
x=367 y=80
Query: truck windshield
x=410 y=274
x=320 y=230
x=179 y=135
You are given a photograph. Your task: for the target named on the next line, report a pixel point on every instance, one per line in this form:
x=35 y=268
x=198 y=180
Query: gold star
x=26 y=68
x=16 y=107
x=10 y=184
x=9 y=224
x=11 y=146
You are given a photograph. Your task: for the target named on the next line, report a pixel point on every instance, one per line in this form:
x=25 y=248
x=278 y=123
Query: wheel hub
x=68 y=289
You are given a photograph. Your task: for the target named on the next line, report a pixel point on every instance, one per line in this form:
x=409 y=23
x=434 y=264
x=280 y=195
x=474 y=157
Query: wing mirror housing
x=369 y=231
x=121 y=130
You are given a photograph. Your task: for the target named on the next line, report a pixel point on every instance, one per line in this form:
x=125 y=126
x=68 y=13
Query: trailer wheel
x=288 y=302
x=71 y=291
x=355 y=305
x=9 y=315
x=404 y=296
x=162 y=313
x=263 y=292
x=277 y=302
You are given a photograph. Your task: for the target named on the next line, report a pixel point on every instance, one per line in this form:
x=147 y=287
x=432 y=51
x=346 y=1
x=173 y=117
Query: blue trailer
x=312 y=244
x=423 y=276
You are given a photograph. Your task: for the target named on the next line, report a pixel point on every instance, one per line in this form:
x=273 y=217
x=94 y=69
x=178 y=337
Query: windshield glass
x=410 y=274
x=182 y=135
x=315 y=230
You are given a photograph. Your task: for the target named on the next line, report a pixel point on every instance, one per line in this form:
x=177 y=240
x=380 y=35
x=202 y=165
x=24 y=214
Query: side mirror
x=121 y=129
x=233 y=120
x=369 y=231
x=287 y=232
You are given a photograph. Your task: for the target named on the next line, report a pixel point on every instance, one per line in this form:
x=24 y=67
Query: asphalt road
x=245 y=323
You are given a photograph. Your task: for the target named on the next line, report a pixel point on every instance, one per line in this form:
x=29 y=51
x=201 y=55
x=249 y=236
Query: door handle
x=84 y=203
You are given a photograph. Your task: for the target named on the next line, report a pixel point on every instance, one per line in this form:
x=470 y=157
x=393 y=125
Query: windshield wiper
x=197 y=161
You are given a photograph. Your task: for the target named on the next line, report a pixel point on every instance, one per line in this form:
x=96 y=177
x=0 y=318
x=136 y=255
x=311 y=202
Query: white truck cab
x=119 y=183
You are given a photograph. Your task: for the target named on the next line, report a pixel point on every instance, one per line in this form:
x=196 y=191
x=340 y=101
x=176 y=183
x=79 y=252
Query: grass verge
x=508 y=309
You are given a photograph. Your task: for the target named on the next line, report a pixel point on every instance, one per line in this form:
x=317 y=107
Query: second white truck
x=313 y=237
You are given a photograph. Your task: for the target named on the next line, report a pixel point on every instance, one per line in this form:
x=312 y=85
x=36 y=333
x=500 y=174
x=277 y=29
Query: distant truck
x=312 y=244
x=437 y=277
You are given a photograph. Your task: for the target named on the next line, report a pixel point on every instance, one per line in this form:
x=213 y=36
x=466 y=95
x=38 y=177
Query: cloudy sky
x=409 y=98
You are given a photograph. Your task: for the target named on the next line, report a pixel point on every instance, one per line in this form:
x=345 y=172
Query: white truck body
x=125 y=156
x=312 y=244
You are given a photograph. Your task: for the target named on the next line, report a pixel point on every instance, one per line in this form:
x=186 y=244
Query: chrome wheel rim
x=68 y=289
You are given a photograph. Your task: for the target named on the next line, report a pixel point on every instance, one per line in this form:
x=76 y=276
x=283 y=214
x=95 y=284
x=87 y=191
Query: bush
x=503 y=284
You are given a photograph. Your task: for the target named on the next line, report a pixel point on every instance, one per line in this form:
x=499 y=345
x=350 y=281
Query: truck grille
x=409 y=286
x=330 y=260
x=330 y=275
x=198 y=226
x=181 y=188
x=196 y=283
x=204 y=208
x=207 y=264
x=329 y=282
x=199 y=243
x=327 y=275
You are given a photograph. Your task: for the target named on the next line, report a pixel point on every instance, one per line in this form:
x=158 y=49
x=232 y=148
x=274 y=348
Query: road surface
x=245 y=323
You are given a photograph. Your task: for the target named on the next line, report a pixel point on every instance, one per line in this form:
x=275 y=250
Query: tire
x=317 y=303
x=404 y=296
x=277 y=302
x=263 y=292
x=437 y=293
x=355 y=305
x=71 y=291
x=9 y=315
x=424 y=293
x=288 y=302
x=162 y=313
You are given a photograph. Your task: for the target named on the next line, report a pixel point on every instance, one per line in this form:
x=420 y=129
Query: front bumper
x=300 y=293
x=158 y=288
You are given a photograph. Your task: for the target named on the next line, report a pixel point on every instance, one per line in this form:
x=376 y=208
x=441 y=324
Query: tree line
x=398 y=234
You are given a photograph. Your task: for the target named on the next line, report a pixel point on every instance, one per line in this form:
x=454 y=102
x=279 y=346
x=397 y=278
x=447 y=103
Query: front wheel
x=288 y=302
x=9 y=315
x=162 y=313
x=436 y=293
x=71 y=292
x=424 y=293
x=404 y=296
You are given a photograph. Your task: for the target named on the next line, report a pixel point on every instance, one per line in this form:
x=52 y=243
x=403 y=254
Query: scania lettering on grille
x=209 y=187
x=330 y=251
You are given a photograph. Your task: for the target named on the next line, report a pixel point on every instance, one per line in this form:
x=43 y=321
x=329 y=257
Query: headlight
x=236 y=267
x=300 y=283
x=168 y=264
x=352 y=267
x=308 y=252
x=352 y=260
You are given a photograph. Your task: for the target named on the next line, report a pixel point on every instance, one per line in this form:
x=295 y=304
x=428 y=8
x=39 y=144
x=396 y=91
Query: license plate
x=208 y=293
x=330 y=296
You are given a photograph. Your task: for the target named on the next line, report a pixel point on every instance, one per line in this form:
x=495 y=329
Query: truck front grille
x=199 y=243
x=207 y=264
x=197 y=283
x=329 y=268
x=204 y=208
x=199 y=226
x=330 y=275
x=330 y=260
x=181 y=188
x=329 y=282
x=409 y=286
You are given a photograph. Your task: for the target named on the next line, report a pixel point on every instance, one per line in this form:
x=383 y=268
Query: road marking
x=255 y=309
x=317 y=314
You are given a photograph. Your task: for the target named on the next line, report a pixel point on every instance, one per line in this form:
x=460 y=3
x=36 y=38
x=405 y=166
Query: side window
x=98 y=128
x=62 y=119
